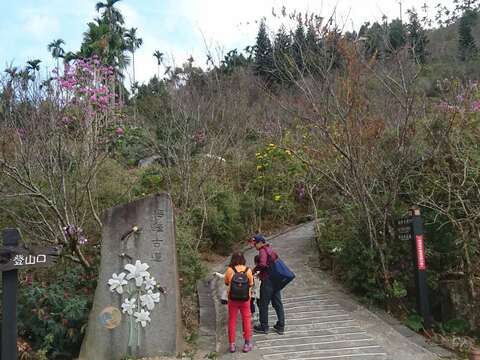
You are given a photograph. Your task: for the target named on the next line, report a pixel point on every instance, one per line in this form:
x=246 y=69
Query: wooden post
x=420 y=265
x=11 y=237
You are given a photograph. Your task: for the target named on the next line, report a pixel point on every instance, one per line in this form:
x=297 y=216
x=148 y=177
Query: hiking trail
x=322 y=320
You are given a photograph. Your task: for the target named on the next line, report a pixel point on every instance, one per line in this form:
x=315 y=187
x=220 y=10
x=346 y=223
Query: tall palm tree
x=55 y=48
x=33 y=65
x=12 y=71
x=159 y=56
x=25 y=77
x=133 y=43
x=112 y=14
x=108 y=44
x=69 y=56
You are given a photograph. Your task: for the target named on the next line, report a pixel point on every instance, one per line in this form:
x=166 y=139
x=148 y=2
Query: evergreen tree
x=55 y=48
x=331 y=56
x=466 y=43
x=105 y=41
x=375 y=40
x=397 y=35
x=311 y=40
x=105 y=37
x=159 y=56
x=282 y=55
x=233 y=60
x=299 y=42
x=263 y=54
x=313 y=50
x=417 y=38
x=364 y=29
x=351 y=35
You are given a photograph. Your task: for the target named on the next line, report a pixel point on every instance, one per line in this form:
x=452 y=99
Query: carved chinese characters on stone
x=157 y=228
x=142 y=231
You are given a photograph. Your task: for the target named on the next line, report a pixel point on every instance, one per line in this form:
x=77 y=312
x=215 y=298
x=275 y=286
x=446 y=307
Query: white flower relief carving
x=149 y=299
x=117 y=282
x=129 y=306
x=143 y=317
x=149 y=283
x=138 y=286
x=137 y=272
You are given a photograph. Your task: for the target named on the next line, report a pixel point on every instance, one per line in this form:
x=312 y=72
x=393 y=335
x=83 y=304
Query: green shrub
x=249 y=211
x=151 y=181
x=113 y=184
x=414 y=322
x=356 y=264
x=131 y=146
x=224 y=222
x=190 y=264
x=456 y=326
x=52 y=316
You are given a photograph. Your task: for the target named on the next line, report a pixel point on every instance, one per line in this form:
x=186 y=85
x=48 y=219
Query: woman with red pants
x=239 y=279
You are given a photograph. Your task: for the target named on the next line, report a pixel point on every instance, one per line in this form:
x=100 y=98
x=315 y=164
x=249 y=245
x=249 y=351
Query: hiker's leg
x=246 y=320
x=278 y=306
x=266 y=292
x=232 y=320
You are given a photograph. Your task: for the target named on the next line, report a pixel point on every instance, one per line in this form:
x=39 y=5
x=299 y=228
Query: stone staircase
x=318 y=328
x=322 y=320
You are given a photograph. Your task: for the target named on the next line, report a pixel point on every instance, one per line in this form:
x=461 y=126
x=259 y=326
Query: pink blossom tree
x=53 y=138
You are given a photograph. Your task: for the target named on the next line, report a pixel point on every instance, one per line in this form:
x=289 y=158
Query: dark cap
x=259 y=238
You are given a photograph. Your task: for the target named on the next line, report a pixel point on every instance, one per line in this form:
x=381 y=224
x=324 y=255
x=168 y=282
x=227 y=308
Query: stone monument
x=136 y=310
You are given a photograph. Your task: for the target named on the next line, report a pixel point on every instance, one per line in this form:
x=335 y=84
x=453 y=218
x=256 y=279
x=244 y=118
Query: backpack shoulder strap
x=244 y=271
x=234 y=269
x=272 y=256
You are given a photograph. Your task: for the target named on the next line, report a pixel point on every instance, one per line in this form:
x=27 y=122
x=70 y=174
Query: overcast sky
x=179 y=28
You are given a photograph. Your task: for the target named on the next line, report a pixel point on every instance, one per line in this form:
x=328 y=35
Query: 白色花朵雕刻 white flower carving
x=137 y=272
x=117 y=282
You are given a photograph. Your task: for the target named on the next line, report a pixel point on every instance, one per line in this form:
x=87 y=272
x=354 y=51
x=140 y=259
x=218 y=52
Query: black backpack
x=239 y=286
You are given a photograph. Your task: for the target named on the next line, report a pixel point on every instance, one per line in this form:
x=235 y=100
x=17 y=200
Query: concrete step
x=308 y=303
x=318 y=344
x=296 y=308
x=309 y=297
x=290 y=340
x=318 y=319
x=339 y=351
x=339 y=330
x=320 y=325
x=312 y=314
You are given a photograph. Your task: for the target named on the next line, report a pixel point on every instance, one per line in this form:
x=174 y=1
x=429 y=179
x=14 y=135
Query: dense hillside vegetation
x=354 y=128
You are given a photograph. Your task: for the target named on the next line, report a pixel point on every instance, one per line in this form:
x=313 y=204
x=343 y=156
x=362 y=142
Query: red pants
x=233 y=308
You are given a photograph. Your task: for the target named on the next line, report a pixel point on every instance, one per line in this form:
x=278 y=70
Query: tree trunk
x=134 y=90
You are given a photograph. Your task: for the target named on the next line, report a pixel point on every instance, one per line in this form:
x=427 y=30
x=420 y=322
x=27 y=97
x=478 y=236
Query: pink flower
x=475 y=106
x=66 y=120
x=120 y=131
x=21 y=132
x=446 y=107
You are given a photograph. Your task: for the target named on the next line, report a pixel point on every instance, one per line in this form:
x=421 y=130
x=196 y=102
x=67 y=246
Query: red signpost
x=411 y=228
x=420 y=252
